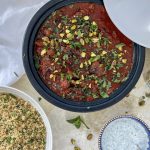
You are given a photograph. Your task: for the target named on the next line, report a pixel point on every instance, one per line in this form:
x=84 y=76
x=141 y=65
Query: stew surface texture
x=80 y=55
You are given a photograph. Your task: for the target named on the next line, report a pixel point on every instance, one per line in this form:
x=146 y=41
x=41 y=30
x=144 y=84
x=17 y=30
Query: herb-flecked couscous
x=21 y=127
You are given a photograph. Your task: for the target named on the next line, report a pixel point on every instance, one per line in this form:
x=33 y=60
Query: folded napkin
x=14 y=18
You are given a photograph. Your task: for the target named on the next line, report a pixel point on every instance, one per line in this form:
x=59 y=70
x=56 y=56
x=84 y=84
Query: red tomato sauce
x=80 y=55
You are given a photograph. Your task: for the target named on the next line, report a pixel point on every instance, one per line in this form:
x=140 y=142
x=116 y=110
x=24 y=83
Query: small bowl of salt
x=125 y=133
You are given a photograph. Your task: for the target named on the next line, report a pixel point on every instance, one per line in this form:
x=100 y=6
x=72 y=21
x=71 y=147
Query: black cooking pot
x=38 y=84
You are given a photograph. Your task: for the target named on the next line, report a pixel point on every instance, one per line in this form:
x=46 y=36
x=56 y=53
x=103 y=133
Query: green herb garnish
x=104 y=95
x=77 y=122
x=120 y=46
x=69 y=77
x=75 y=45
x=36 y=61
x=65 y=57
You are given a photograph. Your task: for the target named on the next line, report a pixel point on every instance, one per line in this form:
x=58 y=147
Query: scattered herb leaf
x=77 y=122
x=65 y=57
x=104 y=95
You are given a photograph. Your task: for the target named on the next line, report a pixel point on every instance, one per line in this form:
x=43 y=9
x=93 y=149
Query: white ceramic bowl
x=29 y=99
x=132 y=17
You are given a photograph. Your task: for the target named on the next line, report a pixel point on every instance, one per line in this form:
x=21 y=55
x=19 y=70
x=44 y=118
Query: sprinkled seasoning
x=88 y=49
x=21 y=126
x=124 y=134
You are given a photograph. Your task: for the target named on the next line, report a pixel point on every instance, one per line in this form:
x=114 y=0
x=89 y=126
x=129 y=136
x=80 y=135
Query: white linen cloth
x=14 y=18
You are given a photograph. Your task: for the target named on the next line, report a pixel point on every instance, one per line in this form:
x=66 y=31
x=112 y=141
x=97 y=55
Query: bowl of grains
x=23 y=123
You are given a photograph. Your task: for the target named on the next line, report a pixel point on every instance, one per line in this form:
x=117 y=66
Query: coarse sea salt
x=125 y=134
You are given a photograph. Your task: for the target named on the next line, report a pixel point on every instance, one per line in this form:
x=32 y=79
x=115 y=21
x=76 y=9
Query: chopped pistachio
x=74 y=20
x=45 y=38
x=82 y=77
x=60 y=40
x=56 y=59
x=82 y=42
x=69 y=36
x=96 y=81
x=120 y=55
x=65 y=57
x=55 y=71
x=124 y=61
x=77 y=82
x=94 y=23
x=66 y=41
x=87 y=40
x=120 y=46
x=83 y=54
x=51 y=76
x=43 y=52
x=54 y=78
x=95 y=40
x=56 y=44
x=67 y=31
x=79 y=33
x=58 y=53
x=59 y=25
x=86 y=18
x=73 y=27
x=101 y=65
x=90 y=85
x=45 y=43
x=76 y=33
x=62 y=35
x=52 y=42
x=86 y=63
x=104 y=52
x=90 y=34
x=114 y=70
x=93 y=54
x=81 y=65
x=89 y=62
x=94 y=33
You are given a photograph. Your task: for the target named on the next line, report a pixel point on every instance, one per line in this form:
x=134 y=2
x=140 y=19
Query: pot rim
x=124 y=89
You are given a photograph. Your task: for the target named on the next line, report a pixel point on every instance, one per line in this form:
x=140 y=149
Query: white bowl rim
x=35 y=104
